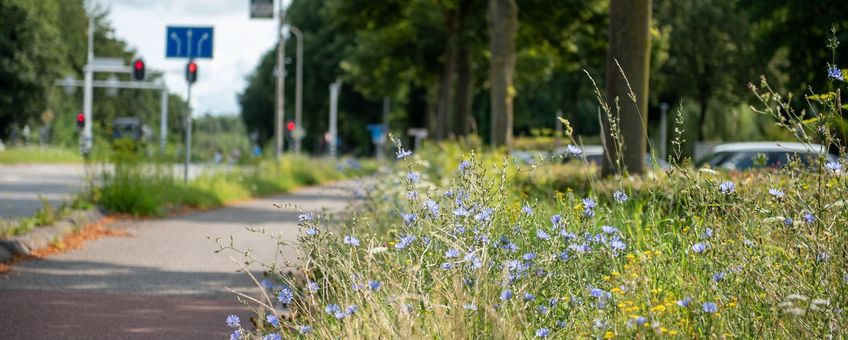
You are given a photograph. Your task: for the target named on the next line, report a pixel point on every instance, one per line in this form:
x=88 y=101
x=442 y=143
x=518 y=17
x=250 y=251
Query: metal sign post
x=335 y=89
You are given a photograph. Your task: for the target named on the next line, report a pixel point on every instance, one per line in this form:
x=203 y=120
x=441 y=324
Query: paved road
x=163 y=282
x=23 y=186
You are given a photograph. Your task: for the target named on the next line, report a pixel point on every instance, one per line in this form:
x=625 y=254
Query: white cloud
x=238 y=45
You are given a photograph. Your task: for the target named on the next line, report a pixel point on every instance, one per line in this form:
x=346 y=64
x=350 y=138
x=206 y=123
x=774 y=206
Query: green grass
x=39 y=155
x=145 y=190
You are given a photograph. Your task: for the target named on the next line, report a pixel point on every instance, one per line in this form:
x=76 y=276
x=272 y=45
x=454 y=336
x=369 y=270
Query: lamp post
x=281 y=99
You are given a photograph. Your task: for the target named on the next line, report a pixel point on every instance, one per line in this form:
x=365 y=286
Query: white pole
x=163 y=122
x=281 y=100
x=298 y=92
x=88 y=93
x=335 y=88
x=188 y=136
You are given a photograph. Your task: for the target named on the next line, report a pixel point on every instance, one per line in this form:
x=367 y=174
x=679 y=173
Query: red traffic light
x=138 y=70
x=191 y=72
x=290 y=126
x=80 y=120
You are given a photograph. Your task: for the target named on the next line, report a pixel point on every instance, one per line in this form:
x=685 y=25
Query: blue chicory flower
x=609 y=229
x=312 y=286
x=835 y=73
x=405 y=242
x=233 y=321
x=573 y=150
x=556 y=219
x=777 y=193
x=401 y=154
x=527 y=210
x=413 y=176
x=273 y=336
x=452 y=253
x=833 y=166
x=542 y=235
x=619 y=196
x=506 y=294
x=464 y=165
x=709 y=307
x=408 y=218
x=699 y=247
x=374 y=285
x=529 y=297
x=303 y=329
x=685 y=302
x=351 y=240
x=305 y=217
x=543 y=332
x=432 y=206
x=332 y=308
x=285 y=296
x=272 y=319
x=235 y=335
x=809 y=217
x=727 y=187
x=484 y=214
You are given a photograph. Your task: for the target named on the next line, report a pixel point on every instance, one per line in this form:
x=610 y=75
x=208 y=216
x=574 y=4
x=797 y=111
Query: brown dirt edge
x=70 y=241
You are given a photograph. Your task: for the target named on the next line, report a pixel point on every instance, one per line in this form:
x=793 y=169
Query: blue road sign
x=189 y=42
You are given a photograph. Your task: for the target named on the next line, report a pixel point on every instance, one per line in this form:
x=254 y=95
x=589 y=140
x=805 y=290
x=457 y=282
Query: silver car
x=748 y=155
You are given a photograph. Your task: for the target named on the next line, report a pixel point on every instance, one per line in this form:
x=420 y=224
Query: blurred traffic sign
x=189 y=42
x=261 y=9
x=377 y=132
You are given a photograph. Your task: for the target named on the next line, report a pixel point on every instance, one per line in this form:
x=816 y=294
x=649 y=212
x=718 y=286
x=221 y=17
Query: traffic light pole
x=298 y=92
x=188 y=135
x=88 y=94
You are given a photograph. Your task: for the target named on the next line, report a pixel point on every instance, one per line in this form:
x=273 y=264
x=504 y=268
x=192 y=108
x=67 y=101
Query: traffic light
x=80 y=120
x=290 y=126
x=191 y=72
x=138 y=70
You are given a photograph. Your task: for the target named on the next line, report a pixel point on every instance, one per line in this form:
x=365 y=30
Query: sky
x=239 y=42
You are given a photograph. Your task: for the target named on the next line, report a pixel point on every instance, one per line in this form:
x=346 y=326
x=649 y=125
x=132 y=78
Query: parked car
x=748 y=155
x=594 y=154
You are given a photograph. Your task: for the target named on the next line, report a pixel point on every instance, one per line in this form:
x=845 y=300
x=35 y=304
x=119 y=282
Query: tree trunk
x=630 y=45
x=464 y=89
x=445 y=109
x=503 y=23
x=702 y=117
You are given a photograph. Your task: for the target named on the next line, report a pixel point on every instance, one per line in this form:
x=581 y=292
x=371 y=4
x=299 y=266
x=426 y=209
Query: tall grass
x=153 y=190
x=464 y=245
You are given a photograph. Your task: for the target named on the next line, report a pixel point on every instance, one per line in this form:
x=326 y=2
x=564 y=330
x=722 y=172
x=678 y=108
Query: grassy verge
x=45 y=216
x=463 y=245
x=38 y=155
x=145 y=190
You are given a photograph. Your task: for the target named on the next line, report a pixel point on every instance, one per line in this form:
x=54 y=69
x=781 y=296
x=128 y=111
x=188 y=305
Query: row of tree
x=42 y=41
x=495 y=68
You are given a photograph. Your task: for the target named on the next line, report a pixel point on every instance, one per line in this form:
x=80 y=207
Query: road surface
x=163 y=282
x=23 y=186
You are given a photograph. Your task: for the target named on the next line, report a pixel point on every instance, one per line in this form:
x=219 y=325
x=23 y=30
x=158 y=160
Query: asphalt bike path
x=163 y=281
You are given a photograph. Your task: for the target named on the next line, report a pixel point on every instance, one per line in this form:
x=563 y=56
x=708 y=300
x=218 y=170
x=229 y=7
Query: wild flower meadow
x=454 y=244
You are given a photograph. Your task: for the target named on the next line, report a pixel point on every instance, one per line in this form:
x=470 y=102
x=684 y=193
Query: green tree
x=31 y=58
